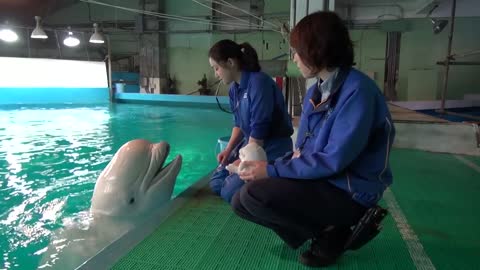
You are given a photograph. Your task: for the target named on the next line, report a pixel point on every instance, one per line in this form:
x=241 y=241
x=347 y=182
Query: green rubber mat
x=439 y=194
x=433 y=201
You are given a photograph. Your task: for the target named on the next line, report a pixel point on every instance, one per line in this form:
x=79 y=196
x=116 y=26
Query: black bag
x=367 y=228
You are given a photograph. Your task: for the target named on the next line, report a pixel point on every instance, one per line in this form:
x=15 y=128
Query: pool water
x=50 y=157
x=472 y=111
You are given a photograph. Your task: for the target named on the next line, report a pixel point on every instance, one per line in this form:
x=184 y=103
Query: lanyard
x=309 y=132
x=342 y=76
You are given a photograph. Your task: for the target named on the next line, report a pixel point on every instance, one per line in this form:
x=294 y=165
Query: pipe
x=460 y=55
x=86 y=46
x=293 y=10
x=400 y=8
x=447 y=60
x=58 y=45
x=280 y=56
x=109 y=68
x=287 y=94
x=459 y=63
x=28 y=44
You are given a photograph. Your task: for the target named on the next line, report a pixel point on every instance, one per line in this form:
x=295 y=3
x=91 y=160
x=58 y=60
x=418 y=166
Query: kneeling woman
x=259 y=110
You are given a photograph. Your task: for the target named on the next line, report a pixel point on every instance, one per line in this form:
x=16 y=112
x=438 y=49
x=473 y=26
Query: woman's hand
x=223 y=156
x=237 y=162
x=296 y=154
x=254 y=170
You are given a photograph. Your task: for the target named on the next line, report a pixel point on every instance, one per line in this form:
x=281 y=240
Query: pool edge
x=111 y=254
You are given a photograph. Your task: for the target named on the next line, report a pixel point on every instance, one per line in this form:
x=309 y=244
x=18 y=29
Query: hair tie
x=242 y=50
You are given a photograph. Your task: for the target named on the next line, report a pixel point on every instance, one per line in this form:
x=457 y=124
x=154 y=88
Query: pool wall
x=37 y=96
x=41 y=81
x=169 y=100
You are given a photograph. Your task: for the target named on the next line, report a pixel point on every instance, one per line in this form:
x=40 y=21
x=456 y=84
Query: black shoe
x=367 y=228
x=324 y=250
x=315 y=258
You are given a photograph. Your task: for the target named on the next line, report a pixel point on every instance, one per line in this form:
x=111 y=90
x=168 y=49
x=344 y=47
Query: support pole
x=447 y=60
x=109 y=56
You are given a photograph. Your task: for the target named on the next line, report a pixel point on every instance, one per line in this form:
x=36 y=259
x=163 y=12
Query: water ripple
x=50 y=159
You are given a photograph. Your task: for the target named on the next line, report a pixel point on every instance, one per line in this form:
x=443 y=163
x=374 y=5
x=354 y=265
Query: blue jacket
x=346 y=140
x=260 y=111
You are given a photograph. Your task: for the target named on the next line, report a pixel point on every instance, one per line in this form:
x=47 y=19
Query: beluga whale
x=134 y=184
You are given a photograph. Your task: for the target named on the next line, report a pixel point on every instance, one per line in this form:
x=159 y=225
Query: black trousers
x=296 y=210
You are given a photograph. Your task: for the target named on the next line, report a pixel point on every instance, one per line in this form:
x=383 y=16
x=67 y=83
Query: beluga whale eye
x=132 y=200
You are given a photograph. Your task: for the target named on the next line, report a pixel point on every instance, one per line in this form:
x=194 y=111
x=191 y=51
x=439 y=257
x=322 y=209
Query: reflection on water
x=51 y=157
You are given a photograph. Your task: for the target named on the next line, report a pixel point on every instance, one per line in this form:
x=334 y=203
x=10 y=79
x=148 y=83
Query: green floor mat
x=439 y=195
x=435 y=192
x=205 y=234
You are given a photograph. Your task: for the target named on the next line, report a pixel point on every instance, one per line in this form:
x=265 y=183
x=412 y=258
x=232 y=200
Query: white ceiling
x=354 y=2
x=395 y=9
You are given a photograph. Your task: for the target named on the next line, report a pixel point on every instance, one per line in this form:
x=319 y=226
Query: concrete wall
x=369 y=49
x=420 y=77
x=188 y=53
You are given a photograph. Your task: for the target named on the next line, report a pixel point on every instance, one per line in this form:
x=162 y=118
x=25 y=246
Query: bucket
x=222 y=143
x=119 y=87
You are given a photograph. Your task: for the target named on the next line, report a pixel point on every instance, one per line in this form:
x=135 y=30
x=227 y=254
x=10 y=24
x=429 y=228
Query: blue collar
x=326 y=87
x=243 y=80
x=337 y=84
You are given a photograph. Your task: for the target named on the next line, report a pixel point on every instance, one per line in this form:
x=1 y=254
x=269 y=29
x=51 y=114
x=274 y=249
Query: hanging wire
x=218 y=102
x=218 y=11
x=176 y=17
x=232 y=6
x=231 y=16
x=156 y=14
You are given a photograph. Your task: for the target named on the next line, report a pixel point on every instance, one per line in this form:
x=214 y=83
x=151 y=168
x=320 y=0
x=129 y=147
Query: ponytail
x=249 y=61
x=244 y=54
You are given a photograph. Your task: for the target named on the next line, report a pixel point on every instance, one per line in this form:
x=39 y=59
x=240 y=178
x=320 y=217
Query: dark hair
x=244 y=54
x=321 y=40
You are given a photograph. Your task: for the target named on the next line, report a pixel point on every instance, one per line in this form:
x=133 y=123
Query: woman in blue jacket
x=258 y=108
x=340 y=166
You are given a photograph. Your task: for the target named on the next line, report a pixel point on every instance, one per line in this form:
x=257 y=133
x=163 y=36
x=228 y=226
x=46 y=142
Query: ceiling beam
x=22 y=12
x=425 y=6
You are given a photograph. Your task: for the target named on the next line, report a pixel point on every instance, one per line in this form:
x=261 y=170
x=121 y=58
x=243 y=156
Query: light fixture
x=7 y=34
x=438 y=25
x=71 y=40
x=96 y=37
x=38 y=31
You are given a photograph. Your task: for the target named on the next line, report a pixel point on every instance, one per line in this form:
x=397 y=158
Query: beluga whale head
x=136 y=181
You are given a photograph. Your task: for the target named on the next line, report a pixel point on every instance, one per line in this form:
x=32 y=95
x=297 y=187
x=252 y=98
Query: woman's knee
x=232 y=184
x=255 y=194
x=217 y=180
x=215 y=186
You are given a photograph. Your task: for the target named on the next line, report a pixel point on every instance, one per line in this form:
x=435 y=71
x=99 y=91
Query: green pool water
x=51 y=156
